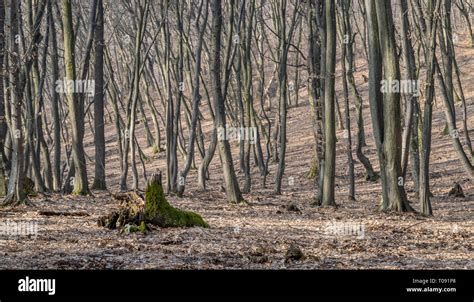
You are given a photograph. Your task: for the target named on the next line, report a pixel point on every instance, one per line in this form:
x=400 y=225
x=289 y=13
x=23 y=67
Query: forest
x=236 y=134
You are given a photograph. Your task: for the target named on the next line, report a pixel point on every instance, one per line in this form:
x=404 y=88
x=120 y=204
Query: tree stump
x=153 y=209
x=159 y=212
x=293 y=253
x=456 y=191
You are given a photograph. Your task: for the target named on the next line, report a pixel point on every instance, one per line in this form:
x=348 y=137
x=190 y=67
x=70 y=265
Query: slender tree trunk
x=247 y=94
x=55 y=101
x=16 y=192
x=135 y=92
x=328 y=197
x=195 y=106
x=424 y=190
x=350 y=37
x=3 y=120
x=314 y=49
x=99 y=134
x=231 y=183
x=284 y=40
x=347 y=117
x=41 y=120
x=375 y=95
x=410 y=75
x=76 y=114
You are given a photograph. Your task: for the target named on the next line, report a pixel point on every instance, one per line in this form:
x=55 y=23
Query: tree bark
x=81 y=186
x=231 y=184
x=99 y=134
x=328 y=197
x=391 y=111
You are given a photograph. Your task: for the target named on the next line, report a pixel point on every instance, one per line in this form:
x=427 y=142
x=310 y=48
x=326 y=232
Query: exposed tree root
x=456 y=191
x=13 y=201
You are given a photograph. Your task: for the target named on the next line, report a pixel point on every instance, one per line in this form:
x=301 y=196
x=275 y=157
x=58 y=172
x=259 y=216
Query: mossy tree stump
x=159 y=212
x=154 y=209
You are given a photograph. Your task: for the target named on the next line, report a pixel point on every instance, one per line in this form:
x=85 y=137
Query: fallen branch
x=52 y=213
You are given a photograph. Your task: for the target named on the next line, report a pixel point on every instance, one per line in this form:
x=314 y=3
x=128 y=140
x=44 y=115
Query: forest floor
x=257 y=234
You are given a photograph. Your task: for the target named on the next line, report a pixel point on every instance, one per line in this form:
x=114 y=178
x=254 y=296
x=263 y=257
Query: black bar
x=350 y=283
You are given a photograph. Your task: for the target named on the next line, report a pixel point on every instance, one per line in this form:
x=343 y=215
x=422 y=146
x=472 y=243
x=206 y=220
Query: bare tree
x=328 y=197
x=99 y=139
x=231 y=184
x=81 y=186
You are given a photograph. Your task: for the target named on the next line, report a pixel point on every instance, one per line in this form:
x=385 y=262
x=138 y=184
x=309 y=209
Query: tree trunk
x=99 y=134
x=3 y=120
x=328 y=197
x=231 y=183
x=424 y=190
x=16 y=192
x=375 y=95
x=76 y=113
x=347 y=117
x=391 y=111
x=55 y=102
x=195 y=106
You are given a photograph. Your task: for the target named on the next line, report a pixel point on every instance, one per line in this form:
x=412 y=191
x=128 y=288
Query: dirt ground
x=258 y=234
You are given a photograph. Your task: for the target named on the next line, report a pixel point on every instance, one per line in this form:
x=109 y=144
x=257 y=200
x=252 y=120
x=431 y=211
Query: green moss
x=372 y=177
x=159 y=211
x=445 y=130
x=316 y=202
x=79 y=193
x=156 y=149
x=29 y=187
x=313 y=170
x=3 y=184
x=142 y=228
